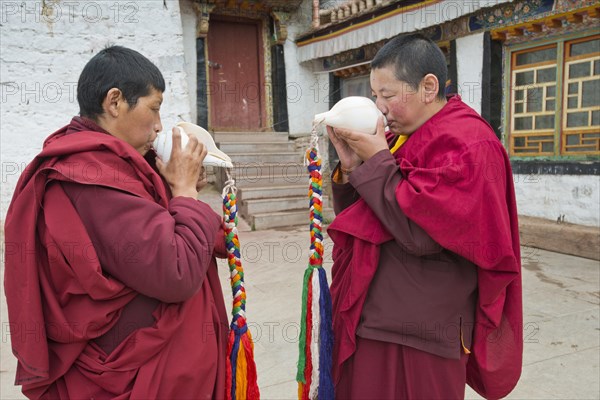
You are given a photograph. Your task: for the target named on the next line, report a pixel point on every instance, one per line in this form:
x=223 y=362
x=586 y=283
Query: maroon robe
x=457 y=186
x=381 y=370
x=61 y=301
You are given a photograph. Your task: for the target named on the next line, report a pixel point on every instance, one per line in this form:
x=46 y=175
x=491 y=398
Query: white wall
x=307 y=91
x=469 y=67
x=189 y=22
x=550 y=196
x=44 y=51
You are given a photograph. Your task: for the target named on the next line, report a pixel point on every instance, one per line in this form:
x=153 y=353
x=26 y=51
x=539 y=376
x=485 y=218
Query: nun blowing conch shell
x=354 y=113
x=163 y=144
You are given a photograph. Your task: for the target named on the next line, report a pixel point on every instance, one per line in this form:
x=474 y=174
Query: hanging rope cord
x=316 y=334
x=241 y=370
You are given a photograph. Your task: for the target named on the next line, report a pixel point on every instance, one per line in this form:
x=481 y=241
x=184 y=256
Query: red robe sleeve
x=377 y=180
x=161 y=253
x=344 y=194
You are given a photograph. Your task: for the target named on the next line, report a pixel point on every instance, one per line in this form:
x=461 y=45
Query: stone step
x=234 y=137
x=264 y=158
x=253 y=192
x=275 y=204
x=232 y=148
x=265 y=174
x=270 y=180
x=244 y=170
x=286 y=218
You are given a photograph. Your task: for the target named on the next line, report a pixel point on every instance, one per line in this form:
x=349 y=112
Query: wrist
x=185 y=192
x=348 y=170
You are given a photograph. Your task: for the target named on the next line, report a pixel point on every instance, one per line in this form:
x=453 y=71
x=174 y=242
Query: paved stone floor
x=561 y=316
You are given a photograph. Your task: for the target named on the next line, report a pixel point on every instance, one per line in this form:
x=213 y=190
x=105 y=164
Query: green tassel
x=302 y=341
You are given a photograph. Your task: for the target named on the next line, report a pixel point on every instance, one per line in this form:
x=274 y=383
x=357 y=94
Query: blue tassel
x=234 y=354
x=326 y=388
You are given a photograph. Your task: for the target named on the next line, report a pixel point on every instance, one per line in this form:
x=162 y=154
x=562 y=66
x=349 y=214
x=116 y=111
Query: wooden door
x=235 y=87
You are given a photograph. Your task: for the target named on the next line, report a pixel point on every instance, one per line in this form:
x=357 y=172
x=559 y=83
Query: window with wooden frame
x=581 y=102
x=555 y=99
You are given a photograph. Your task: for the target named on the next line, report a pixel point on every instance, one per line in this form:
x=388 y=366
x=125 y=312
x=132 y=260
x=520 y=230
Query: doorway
x=236 y=84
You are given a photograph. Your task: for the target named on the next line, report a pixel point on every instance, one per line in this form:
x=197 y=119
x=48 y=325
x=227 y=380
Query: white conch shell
x=163 y=144
x=355 y=113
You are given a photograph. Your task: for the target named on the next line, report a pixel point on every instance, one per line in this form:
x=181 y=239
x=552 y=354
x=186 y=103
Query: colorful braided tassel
x=316 y=333
x=241 y=370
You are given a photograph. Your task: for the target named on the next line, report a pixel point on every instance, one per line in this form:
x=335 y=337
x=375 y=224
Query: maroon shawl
x=59 y=300
x=458 y=187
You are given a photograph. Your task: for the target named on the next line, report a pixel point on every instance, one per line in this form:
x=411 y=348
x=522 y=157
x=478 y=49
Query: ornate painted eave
x=353 y=13
x=364 y=67
x=361 y=69
x=254 y=5
x=546 y=23
x=283 y=5
x=279 y=10
x=383 y=23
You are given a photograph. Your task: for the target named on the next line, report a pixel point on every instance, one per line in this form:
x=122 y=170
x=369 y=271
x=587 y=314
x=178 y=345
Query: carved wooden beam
x=351 y=71
x=575 y=18
x=499 y=35
x=203 y=11
x=517 y=31
x=594 y=13
x=280 y=18
x=553 y=23
x=535 y=27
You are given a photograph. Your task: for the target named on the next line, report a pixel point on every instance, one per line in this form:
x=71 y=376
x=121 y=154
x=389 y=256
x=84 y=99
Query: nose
x=157 y=129
x=381 y=106
x=158 y=126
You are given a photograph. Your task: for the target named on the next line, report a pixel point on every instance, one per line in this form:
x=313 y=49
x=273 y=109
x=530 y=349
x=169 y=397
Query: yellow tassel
x=241 y=382
x=462 y=342
x=399 y=142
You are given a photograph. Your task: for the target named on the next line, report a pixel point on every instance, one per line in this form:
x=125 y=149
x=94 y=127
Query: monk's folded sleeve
x=376 y=181
x=344 y=195
x=161 y=253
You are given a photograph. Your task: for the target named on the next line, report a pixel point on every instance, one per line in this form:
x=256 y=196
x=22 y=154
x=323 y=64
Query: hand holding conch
x=183 y=167
x=356 y=128
x=163 y=145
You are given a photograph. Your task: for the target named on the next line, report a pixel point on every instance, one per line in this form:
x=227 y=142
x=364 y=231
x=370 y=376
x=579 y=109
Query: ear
x=112 y=102
x=431 y=87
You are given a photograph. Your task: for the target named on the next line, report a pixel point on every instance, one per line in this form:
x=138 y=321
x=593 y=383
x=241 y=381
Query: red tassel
x=308 y=367
x=228 y=372
x=253 y=392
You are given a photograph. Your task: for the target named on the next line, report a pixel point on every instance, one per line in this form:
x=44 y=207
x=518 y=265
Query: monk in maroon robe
x=111 y=280
x=426 y=283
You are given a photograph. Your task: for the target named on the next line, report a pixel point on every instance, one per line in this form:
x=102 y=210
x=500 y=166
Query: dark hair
x=116 y=67
x=413 y=56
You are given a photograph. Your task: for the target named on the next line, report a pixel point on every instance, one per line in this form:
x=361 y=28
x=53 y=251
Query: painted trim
x=372 y=21
x=202 y=106
x=491 y=91
x=453 y=70
x=502 y=31
x=540 y=167
x=279 y=92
